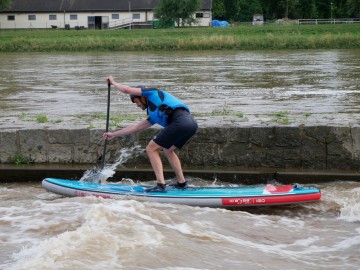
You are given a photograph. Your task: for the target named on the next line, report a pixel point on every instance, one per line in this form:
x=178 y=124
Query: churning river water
x=41 y=230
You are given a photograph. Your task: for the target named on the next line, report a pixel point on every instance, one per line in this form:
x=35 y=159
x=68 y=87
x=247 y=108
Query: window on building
x=32 y=17
x=203 y=15
x=115 y=16
x=136 y=16
x=206 y=15
x=52 y=17
x=11 y=17
x=73 y=17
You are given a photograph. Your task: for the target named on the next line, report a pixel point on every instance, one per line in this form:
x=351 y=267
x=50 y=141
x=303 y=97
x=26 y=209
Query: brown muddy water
x=41 y=230
x=225 y=87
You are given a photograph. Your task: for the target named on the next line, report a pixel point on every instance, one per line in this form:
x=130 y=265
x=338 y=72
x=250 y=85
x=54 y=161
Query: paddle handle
x=108 y=107
x=107 y=125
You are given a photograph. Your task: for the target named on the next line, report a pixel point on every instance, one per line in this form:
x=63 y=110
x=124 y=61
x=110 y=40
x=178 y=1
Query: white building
x=91 y=14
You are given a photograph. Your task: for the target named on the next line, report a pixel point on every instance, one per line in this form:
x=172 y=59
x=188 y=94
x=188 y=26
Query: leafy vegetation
x=281 y=117
x=243 y=10
x=170 y=11
x=114 y=121
x=19 y=160
x=41 y=118
x=5 y=4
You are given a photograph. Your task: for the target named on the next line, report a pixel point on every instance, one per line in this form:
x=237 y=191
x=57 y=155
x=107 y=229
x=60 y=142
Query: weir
x=232 y=154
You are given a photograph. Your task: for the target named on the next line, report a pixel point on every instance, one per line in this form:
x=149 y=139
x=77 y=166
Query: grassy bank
x=240 y=38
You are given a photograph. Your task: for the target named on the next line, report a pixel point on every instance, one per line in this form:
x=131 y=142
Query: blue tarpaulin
x=216 y=23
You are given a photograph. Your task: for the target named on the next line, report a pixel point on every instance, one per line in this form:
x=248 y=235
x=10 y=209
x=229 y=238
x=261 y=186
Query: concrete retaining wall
x=302 y=147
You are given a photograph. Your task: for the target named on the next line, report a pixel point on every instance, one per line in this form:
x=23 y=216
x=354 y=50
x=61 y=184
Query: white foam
x=350 y=206
x=101 y=175
x=342 y=199
x=102 y=236
x=94 y=233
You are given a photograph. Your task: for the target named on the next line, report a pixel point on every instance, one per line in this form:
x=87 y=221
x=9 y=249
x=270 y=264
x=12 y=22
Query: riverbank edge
x=246 y=176
x=270 y=37
x=233 y=154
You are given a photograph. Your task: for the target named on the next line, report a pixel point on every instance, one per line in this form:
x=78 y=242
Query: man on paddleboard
x=169 y=112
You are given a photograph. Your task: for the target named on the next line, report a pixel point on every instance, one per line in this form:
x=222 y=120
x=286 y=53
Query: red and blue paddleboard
x=226 y=197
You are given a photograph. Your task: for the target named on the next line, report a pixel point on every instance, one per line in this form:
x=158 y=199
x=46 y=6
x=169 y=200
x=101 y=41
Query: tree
x=247 y=9
x=290 y=8
x=270 y=9
x=179 y=11
x=232 y=9
x=218 y=10
x=5 y=4
x=307 y=9
x=354 y=7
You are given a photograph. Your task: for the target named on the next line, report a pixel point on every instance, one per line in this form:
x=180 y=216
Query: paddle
x=96 y=175
x=107 y=125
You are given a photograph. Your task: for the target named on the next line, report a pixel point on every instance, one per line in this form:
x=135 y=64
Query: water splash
x=350 y=205
x=101 y=175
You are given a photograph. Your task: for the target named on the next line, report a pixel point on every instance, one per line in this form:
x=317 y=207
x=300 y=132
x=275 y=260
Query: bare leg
x=153 y=150
x=175 y=163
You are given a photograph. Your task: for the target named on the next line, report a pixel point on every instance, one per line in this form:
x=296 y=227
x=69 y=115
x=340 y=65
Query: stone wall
x=301 y=147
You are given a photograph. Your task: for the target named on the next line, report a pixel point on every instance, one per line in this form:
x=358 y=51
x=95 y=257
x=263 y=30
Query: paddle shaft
x=107 y=126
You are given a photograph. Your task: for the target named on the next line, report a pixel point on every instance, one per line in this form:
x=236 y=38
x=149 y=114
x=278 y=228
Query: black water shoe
x=179 y=185
x=158 y=188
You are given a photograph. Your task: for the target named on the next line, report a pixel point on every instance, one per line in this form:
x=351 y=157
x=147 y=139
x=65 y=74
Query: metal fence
x=329 y=21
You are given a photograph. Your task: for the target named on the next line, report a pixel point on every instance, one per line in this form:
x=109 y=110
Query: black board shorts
x=182 y=126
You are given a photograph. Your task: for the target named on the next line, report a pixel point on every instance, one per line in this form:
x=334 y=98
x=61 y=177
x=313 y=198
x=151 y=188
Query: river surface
x=41 y=230
x=241 y=88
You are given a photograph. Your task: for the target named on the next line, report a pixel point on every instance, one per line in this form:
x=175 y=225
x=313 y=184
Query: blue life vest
x=160 y=105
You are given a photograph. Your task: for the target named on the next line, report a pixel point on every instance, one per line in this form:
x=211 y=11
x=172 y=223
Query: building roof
x=36 y=6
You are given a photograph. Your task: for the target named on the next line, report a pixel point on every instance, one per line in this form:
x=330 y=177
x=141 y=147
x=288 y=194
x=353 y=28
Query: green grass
x=114 y=121
x=281 y=117
x=204 y=38
x=41 y=118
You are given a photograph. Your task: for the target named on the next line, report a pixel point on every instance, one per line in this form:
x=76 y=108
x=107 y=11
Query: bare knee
x=152 y=147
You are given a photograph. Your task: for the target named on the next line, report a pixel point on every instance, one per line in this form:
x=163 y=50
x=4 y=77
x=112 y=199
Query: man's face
x=139 y=104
